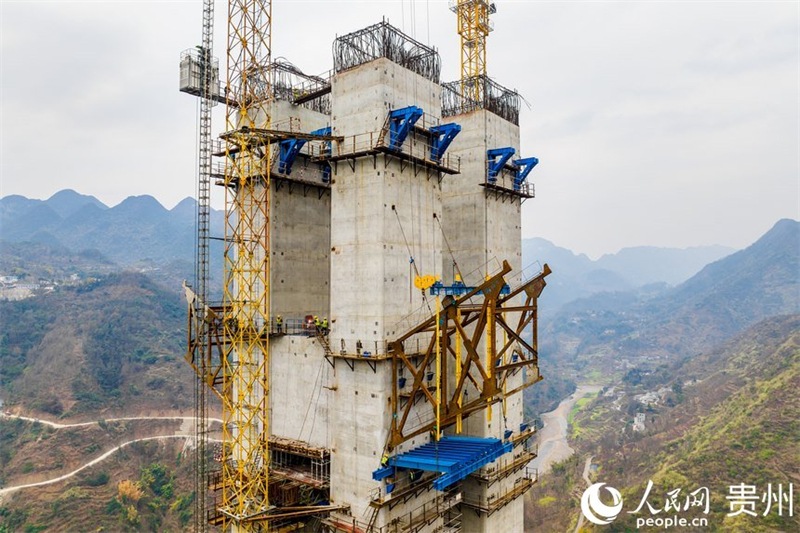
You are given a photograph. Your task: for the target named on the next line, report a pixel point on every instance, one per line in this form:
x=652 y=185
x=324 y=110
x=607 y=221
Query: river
x=553 y=444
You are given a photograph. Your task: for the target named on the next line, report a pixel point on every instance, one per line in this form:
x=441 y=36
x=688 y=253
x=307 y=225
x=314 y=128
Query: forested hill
x=108 y=345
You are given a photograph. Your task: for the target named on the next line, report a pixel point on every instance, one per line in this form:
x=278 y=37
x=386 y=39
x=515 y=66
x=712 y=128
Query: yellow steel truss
x=473 y=27
x=459 y=326
x=245 y=365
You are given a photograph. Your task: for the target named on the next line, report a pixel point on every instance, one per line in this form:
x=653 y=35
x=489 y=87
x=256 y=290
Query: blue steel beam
x=443 y=135
x=497 y=157
x=382 y=473
x=457 y=289
x=400 y=123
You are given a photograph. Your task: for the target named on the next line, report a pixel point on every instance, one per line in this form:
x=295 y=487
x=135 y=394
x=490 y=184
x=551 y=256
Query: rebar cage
x=384 y=40
x=292 y=84
x=501 y=101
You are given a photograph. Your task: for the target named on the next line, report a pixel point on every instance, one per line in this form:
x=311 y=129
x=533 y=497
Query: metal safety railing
x=376 y=141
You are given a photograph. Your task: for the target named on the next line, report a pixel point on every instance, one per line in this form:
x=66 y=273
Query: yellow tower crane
x=473 y=27
x=245 y=365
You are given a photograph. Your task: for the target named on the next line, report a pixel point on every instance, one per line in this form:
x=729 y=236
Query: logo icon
x=595 y=510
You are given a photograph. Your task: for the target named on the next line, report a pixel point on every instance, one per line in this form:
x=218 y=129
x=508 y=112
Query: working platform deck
x=455 y=457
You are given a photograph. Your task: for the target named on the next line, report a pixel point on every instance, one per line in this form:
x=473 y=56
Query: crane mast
x=245 y=385
x=473 y=28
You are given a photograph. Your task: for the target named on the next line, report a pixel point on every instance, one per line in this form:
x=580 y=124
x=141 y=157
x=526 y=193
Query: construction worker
x=279 y=323
x=385 y=459
x=325 y=325
x=317 y=323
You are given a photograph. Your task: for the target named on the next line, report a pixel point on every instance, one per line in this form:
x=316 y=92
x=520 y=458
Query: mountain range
x=577 y=276
x=137 y=229
x=605 y=335
x=140 y=232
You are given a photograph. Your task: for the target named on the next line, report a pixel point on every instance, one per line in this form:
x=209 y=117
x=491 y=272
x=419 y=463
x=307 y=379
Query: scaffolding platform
x=490 y=505
x=455 y=457
x=525 y=191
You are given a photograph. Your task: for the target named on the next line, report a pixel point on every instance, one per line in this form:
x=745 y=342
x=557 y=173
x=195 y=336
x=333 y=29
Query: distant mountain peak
x=67 y=202
x=184 y=204
x=142 y=204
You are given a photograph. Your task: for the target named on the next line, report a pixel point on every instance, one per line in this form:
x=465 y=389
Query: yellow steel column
x=458 y=371
x=438 y=372
x=490 y=350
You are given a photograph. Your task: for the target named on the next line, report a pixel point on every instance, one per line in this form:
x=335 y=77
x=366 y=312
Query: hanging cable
x=411 y=257
x=310 y=403
x=449 y=250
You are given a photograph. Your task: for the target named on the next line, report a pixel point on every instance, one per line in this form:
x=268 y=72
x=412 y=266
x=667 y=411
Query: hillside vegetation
x=145 y=486
x=730 y=417
x=109 y=345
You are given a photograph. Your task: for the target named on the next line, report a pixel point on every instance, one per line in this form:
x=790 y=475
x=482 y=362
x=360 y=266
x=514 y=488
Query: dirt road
x=95 y=422
x=183 y=432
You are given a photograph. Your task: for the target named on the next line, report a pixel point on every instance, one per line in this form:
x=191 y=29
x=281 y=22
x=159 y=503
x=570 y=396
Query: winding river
x=553 y=444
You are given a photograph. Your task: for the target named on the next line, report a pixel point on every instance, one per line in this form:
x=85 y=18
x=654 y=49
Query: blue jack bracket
x=498 y=157
x=443 y=135
x=400 y=123
x=326 y=167
x=289 y=148
x=524 y=167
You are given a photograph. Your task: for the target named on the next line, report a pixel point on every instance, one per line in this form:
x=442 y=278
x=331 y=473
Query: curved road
x=95 y=422
x=104 y=456
x=588 y=484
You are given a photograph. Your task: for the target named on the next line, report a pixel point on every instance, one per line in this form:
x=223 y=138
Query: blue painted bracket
x=326 y=167
x=443 y=135
x=524 y=167
x=497 y=157
x=400 y=123
x=289 y=150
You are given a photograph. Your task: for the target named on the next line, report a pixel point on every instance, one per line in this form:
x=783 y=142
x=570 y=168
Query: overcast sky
x=656 y=123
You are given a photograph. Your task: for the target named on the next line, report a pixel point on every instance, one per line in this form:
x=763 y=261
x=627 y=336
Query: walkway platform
x=455 y=457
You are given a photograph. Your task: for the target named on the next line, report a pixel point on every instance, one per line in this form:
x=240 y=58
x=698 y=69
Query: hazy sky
x=660 y=123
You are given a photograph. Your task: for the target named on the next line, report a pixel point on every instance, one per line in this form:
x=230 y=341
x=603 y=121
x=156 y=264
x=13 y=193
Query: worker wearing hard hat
x=317 y=323
x=279 y=323
x=325 y=325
